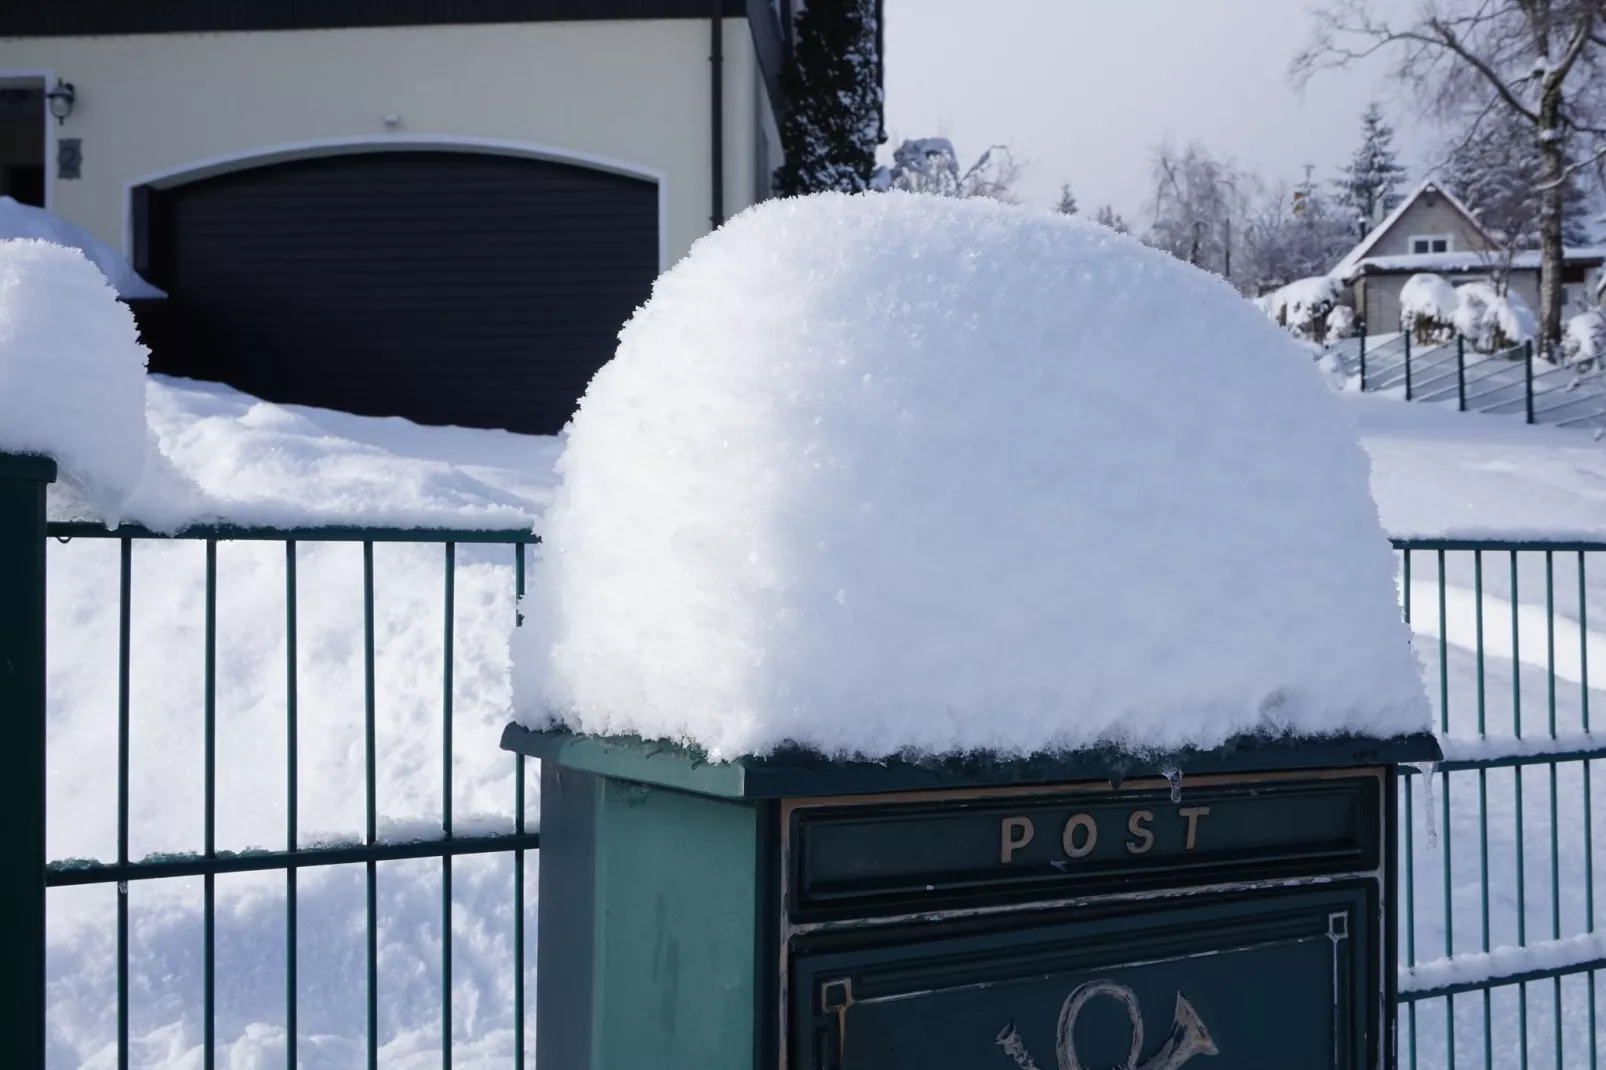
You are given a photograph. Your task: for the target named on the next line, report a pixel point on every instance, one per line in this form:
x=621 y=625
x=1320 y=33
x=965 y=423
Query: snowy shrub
x=72 y=372
x=1427 y=308
x=1303 y=306
x=819 y=498
x=1584 y=343
x=1340 y=323
x=1492 y=321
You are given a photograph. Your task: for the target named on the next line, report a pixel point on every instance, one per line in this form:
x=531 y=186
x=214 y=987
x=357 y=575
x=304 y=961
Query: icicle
x=1429 y=819
x=1174 y=775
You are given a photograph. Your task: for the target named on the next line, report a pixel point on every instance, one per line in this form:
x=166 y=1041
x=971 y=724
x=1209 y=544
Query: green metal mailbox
x=1079 y=912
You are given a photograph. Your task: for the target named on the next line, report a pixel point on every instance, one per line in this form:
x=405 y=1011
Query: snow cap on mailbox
x=894 y=474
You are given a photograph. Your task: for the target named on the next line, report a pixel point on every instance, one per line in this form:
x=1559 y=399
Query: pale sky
x=1082 y=90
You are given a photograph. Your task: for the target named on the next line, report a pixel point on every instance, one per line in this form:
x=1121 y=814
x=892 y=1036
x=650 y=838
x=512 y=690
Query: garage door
x=448 y=288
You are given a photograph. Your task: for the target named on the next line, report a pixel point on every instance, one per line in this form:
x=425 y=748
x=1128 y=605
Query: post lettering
x=1090 y=836
x=1193 y=814
x=1135 y=825
x=1016 y=833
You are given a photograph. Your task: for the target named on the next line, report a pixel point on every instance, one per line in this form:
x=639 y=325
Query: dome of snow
x=898 y=474
x=72 y=372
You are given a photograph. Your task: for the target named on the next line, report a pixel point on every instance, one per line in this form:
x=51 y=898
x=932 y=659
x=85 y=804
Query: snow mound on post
x=899 y=474
x=72 y=372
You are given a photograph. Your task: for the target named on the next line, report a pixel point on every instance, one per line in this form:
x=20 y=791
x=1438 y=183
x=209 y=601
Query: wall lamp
x=61 y=100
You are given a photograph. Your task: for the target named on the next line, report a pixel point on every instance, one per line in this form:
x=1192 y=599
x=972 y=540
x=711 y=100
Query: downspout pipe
x=716 y=116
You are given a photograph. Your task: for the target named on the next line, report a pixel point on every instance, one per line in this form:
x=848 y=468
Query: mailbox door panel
x=1268 y=981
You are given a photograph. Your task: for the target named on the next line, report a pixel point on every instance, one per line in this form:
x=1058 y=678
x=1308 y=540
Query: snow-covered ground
x=1435 y=472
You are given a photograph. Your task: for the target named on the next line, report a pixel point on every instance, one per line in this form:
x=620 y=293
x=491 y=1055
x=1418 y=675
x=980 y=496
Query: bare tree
x=1293 y=233
x=931 y=165
x=1541 y=60
x=1198 y=207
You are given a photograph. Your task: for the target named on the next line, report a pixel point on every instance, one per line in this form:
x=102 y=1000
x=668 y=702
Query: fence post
x=1407 y=365
x=1460 y=373
x=22 y=755
x=1363 y=360
x=1528 y=377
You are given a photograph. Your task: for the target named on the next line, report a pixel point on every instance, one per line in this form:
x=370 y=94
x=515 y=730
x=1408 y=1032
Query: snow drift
x=895 y=473
x=72 y=372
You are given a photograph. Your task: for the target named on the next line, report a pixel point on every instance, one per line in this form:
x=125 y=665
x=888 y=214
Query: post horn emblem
x=1188 y=1038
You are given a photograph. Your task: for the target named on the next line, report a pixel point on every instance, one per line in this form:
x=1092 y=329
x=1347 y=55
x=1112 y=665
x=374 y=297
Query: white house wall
x=631 y=94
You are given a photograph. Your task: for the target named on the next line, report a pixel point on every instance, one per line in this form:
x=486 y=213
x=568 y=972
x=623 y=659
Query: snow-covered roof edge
x=1355 y=255
x=1463 y=260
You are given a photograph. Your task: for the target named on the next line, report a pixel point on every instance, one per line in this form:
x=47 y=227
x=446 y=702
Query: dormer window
x=1430 y=243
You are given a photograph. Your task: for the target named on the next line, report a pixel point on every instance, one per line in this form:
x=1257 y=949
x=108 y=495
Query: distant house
x=442 y=211
x=1432 y=231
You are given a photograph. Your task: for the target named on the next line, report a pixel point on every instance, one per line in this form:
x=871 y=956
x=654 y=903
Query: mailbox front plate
x=958 y=929
x=1270 y=982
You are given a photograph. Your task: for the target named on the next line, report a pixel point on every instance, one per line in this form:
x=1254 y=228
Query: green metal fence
x=1499 y=950
x=1512 y=381
x=1498 y=941
x=23 y=536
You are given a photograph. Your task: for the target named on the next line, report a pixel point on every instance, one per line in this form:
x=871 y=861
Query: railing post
x=1528 y=377
x=1461 y=373
x=1407 y=365
x=22 y=755
x=1363 y=360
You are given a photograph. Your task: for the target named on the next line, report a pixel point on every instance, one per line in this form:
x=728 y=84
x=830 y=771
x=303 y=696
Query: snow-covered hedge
x=1305 y=306
x=1434 y=311
x=899 y=474
x=72 y=372
x=1340 y=323
x=1427 y=308
x=1584 y=344
x=1492 y=321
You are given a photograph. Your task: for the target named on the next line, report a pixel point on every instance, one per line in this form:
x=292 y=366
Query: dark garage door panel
x=456 y=288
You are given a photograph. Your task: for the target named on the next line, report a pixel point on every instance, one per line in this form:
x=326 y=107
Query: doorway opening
x=22 y=140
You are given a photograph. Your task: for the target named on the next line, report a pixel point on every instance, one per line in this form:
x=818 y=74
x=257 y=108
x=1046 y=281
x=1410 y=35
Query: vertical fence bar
x=446 y=809
x=1409 y=850
x=22 y=755
x=1444 y=728
x=291 y=795
x=1516 y=727
x=1363 y=359
x=1528 y=378
x=1589 y=832
x=518 y=856
x=1483 y=803
x=370 y=831
x=1555 y=846
x=209 y=881
x=1461 y=373
x=125 y=634
x=1407 y=365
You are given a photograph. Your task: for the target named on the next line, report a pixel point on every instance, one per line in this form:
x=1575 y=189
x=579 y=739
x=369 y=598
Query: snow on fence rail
x=1499 y=950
